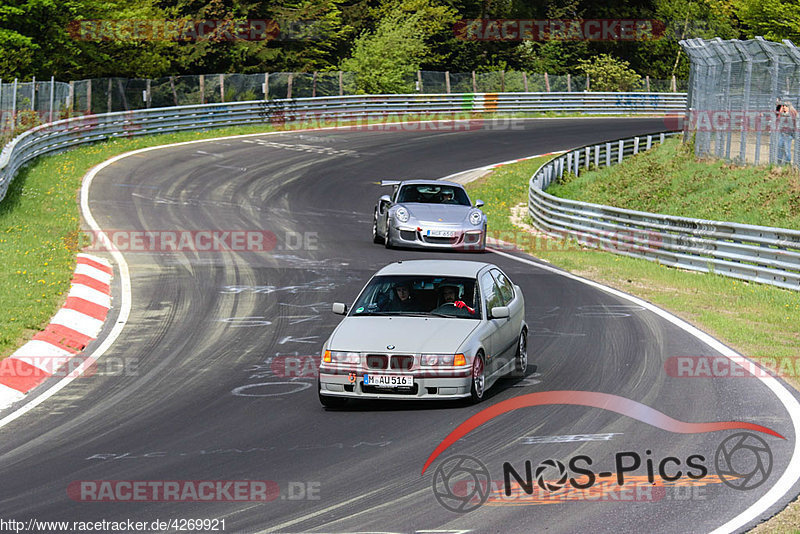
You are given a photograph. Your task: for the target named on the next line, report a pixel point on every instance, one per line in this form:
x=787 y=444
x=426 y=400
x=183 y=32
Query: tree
x=772 y=19
x=610 y=74
x=385 y=60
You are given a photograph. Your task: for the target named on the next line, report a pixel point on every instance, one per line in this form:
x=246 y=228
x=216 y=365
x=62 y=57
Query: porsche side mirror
x=339 y=308
x=478 y=203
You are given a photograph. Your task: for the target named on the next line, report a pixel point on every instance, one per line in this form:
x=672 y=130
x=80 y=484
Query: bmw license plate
x=389 y=381
x=441 y=233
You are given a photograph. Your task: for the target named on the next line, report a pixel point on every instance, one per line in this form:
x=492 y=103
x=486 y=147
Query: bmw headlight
x=442 y=359
x=336 y=356
x=402 y=214
x=475 y=217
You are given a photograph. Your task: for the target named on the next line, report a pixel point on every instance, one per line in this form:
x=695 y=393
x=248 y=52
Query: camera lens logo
x=546 y=484
x=461 y=483
x=743 y=461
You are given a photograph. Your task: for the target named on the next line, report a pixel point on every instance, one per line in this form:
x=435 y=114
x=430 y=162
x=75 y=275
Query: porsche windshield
x=433 y=194
x=437 y=296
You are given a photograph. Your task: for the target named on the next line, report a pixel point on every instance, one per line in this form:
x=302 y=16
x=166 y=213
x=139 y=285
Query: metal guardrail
x=67 y=133
x=747 y=252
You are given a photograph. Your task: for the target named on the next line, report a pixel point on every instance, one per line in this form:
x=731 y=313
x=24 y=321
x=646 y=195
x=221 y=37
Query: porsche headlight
x=336 y=356
x=402 y=214
x=441 y=359
x=475 y=217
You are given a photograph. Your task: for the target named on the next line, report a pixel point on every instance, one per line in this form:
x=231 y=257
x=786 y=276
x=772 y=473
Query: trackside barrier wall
x=67 y=133
x=747 y=252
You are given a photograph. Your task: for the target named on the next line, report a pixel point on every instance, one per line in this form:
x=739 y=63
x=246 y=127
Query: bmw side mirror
x=500 y=312
x=339 y=308
x=478 y=203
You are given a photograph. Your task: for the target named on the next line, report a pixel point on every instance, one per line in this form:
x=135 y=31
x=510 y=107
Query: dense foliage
x=381 y=39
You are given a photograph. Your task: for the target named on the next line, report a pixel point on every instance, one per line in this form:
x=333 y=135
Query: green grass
x=758 y=320
x=39 y=231
x=667 y=179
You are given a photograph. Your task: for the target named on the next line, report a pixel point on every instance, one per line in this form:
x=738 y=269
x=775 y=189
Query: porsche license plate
x=389 y=381
x=441 y=233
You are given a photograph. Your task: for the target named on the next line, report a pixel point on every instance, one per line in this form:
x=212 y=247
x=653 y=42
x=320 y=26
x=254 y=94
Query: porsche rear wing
x=390 y=182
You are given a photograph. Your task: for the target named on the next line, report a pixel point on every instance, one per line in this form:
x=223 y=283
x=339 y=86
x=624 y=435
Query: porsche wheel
x=375 y=237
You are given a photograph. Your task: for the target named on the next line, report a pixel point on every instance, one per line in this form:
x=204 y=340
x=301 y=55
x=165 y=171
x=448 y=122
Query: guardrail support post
x=52 y=96
x=546 y=82
x=608 y=154
x=266 y=86
x=597 y=156
x=419 y=80
x=202 y=89
x=447 y=81
x=474 y=83
x=621 y=149
x=341 y=83
x=649 y=142
x=314 y=85
x=33 y=93
x=647 y=83
x=588 y=156
x=569 y=82
x=14 y=105
x=636 y=145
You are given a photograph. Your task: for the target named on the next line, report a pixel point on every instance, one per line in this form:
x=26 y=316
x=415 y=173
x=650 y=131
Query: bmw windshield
x=437 y=296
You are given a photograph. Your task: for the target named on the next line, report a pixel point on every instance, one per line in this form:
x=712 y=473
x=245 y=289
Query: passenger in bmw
x=402 y=300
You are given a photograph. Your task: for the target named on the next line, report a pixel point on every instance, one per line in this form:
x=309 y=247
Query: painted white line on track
x=783 y=486
x=792 y=473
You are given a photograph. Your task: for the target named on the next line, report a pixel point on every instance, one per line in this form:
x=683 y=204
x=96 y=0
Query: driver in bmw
x=449 y=295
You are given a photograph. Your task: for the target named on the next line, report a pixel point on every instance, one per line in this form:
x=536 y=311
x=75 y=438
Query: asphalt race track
x=197 y=386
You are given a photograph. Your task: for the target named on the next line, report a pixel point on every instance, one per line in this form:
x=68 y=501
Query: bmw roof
x=463 y=268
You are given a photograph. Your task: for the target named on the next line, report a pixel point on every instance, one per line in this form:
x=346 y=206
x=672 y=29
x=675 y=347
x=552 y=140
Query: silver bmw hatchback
x=424 y=330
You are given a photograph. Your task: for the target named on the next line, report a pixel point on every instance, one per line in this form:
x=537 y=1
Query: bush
x=607 y=73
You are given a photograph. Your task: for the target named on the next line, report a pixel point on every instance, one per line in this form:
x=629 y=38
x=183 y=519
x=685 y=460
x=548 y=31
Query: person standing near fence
x=786 y=123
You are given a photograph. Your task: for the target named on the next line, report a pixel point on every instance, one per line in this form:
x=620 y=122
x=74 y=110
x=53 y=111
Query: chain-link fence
x=22 y=106
x=26 y=104
x=743 y=99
